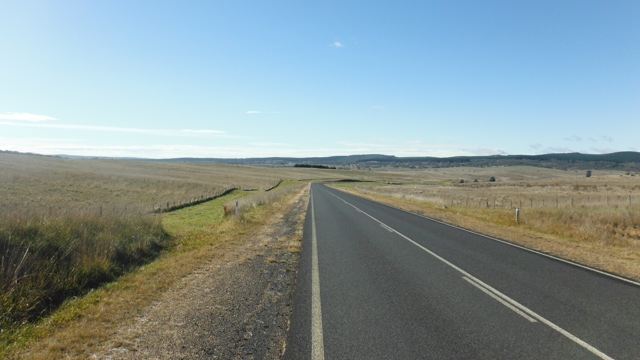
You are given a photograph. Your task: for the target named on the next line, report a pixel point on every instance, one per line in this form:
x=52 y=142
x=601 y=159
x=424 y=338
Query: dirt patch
x=235 y=307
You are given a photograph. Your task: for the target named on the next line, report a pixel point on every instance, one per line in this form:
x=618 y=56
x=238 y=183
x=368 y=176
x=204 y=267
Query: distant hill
x=627 y=160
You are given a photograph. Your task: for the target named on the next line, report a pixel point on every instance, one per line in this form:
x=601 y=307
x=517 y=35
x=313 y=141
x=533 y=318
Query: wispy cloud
x=82 y=148
x=161 y=132
x=607 y=138
x=419 y=148
x=556 y=150
x=541 y=149
x=573 y=138
x=337 y=44
x=26 y=117
x=601 y=150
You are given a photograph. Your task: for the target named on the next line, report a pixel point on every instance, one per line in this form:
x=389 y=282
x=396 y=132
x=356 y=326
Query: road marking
x=387 y=228
x=317 y=343
x=500 y=300
x=492 y=290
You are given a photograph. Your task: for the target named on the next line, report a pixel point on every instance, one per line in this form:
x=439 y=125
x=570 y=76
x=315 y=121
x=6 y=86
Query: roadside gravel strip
x=236 y=307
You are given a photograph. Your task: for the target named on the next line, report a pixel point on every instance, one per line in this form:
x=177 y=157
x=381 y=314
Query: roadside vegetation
x=179 y=241
x=45 y=260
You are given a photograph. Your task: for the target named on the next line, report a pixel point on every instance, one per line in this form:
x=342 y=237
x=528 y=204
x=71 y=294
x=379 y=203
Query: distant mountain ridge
x=625 y=160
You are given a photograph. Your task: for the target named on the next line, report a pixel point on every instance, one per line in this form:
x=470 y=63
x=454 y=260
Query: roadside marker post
x=237 y=208
x=517 y=215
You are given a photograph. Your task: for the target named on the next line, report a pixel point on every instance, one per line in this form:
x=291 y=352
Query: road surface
x=380 y=283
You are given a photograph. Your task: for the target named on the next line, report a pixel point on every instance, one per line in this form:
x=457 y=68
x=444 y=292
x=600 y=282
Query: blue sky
x=165 y=79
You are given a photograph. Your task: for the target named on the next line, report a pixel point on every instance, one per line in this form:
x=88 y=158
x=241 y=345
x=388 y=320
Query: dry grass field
x=50 y=185
x=592 y=220
x=523 y=187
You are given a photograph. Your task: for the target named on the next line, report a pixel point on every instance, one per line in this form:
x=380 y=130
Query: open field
x=594 y=220
x=50 y=185
x=523 y=187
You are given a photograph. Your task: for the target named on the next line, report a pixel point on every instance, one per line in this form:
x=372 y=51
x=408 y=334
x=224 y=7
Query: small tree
x=588 y=173
x=461 y=181
x=492 y=179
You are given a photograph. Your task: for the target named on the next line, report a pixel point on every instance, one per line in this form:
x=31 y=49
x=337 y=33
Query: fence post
x=629 y=200
x=531 y=202
x=607 y=200
x=100 y=210
x=557 y=205
x=517 y=215
x=236 y=207
x=571 y=202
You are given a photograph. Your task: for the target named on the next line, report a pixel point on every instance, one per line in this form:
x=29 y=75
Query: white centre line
x=317 y=342
x=500 y=300
x=491 y=289
x=386 y=227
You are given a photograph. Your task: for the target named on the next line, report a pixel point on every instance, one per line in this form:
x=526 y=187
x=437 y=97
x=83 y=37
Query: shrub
x=492 y=179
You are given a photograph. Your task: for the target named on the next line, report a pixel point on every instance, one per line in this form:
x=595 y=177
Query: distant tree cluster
x=313 y=166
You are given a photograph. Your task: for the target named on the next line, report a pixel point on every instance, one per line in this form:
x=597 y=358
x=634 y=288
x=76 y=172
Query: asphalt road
x=379 y=283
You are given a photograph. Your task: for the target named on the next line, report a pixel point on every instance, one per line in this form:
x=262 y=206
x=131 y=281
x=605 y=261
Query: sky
x=236 y=79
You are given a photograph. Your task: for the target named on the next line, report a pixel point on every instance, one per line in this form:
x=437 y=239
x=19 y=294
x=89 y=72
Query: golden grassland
x=200 y=233
x=600 y=229
x=51 y=185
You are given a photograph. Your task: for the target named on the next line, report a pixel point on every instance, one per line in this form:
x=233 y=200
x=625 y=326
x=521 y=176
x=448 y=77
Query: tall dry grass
x=607 y=214
x=253 y=201
x=44 y=260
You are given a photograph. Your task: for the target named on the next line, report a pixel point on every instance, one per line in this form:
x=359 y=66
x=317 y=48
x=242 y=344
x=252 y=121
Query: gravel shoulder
x=235 y=307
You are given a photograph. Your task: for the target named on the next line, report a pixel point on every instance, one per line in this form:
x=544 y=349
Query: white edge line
x=317 y=342
x=500 y=300
x=488 y=287
x=505 y=242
